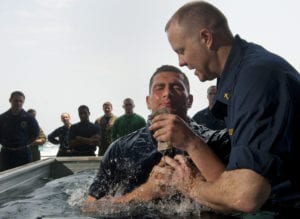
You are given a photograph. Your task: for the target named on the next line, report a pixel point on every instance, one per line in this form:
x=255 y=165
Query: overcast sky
x=64 y=53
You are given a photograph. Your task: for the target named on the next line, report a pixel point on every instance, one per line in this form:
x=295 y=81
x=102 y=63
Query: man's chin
x=169 y=109
x=201 y=78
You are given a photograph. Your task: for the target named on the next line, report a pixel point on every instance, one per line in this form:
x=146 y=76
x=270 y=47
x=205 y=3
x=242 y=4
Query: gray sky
x=64 y=53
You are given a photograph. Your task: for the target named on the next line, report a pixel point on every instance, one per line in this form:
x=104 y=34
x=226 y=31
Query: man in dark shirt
x=258 y=98
x=18 y=130
x=126 y=165
x=84 y=136
x=61 y=136
x=205 y=116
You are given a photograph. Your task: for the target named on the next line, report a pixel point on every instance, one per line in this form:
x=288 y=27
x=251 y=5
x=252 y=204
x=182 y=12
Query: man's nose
x=181 y=61
x=167 y=92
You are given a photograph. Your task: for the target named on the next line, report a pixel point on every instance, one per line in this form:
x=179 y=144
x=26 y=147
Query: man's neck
x=68 y=125
x=15 y=111
x=223 y=54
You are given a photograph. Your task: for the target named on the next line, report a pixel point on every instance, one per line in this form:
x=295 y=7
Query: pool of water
x=64 y=197
x=56 y=198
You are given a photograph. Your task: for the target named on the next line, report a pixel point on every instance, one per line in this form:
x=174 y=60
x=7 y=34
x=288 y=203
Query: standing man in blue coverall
x=18 y=130
x=258 y=97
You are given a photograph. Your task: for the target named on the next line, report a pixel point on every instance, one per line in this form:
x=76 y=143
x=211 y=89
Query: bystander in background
x=205 y=116
x=128 y=122
x=84 y=136
x=105 y=123
x=61 y=136
x=18 y=130
x=39 y=141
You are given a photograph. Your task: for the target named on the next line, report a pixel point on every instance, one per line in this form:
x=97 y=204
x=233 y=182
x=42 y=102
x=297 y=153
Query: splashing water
x=64 y=197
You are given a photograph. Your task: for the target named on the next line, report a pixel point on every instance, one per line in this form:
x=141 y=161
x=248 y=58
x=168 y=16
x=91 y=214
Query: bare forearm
x=237 y=190
x=210 y=166
x=143 y=193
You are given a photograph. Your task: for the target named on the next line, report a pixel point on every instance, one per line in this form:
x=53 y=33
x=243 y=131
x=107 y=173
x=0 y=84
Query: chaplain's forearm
x=89 y=206
x=143 y=193
x=237 y=190
x=210 y=166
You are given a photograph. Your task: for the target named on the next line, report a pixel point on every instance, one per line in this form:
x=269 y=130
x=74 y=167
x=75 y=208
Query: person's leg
x=20 y=157
x=36 y=154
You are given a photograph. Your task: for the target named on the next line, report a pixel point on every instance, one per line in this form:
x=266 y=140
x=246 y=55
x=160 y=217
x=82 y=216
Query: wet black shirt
x=206 y=118
x=129 y=160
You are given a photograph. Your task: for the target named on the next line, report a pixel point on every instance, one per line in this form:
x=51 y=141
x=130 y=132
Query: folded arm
x=79 y=140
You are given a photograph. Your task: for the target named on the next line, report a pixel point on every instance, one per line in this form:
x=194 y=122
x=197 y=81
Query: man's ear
x=206 y=37
x=190 y=101
x=148 y=102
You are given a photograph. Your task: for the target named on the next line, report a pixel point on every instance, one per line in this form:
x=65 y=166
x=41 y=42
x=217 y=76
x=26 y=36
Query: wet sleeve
x=105 y=176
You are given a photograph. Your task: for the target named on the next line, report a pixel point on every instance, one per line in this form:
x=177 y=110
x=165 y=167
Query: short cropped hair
x=31 y=111
x=200 y=13
x=16 y=93
x=107 y=103
x=65 y=114
x=170 y=68
x=83 y=107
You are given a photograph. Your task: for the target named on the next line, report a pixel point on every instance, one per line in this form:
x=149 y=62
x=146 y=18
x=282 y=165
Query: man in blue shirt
x=61 y=136
x=18 y=130
x=258 y=96
x=126 y=165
